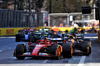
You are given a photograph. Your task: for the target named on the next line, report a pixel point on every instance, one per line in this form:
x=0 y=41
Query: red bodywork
x=40 y=45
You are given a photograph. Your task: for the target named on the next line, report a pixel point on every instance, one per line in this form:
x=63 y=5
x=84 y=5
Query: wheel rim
x=88 y=49
x=58 y=53
x=71 y=50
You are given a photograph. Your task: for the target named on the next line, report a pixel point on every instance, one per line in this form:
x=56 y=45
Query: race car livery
x=79 y=45
x=43 y=48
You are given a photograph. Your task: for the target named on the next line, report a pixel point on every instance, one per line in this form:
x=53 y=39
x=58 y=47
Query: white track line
x=67 y=65
x=0 y=50
x=7 y=37
x=81 y=63
x=45 y=61
x=90 y=37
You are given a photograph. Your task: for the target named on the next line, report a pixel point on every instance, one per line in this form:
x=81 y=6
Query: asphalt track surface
x=8 y=44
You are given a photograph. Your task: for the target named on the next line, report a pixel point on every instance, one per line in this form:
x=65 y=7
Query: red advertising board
x=9 y=31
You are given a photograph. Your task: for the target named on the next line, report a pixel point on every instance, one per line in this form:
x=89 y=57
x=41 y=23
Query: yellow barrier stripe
x=9 y=31
x=14 y=31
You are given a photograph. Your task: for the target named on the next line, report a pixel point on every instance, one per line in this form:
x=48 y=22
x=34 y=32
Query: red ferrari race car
x=43 y=48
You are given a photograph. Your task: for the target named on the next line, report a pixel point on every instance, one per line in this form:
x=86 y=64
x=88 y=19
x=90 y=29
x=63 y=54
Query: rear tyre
x=31 y=39
x=89 y=42
x=66 y=31
x=17 y=38
x=86 y=48
x=20 y=49
x=90 y=50
x=56 y=50
x=67 y=50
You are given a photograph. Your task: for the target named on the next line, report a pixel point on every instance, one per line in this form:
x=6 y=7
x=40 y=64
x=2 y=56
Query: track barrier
x=9 y=31
x=14 y=31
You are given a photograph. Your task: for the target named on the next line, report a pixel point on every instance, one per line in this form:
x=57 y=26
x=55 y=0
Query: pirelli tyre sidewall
x=17 y=38
x=67 y=50
x=86 y=48
x=56 y=50
x=20 y=49
x=90 y=44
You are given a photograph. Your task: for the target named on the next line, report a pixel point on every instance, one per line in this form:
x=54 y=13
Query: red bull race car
x=80 y=45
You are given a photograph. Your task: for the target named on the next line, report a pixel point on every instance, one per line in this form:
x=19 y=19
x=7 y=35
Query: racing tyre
x=90 y=47
x=66 y=31
x=86 y=49
x=32 y=38
x=67 y=50
x=20 y=49
x=56 y=50
x=29 y=39
x=17 y=38
x=82 y=31
x=87 y=40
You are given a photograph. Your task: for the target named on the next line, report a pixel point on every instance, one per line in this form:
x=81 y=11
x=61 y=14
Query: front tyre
x=20 y=49
x=67 y=50
x=17 y=38
x=56 y=50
